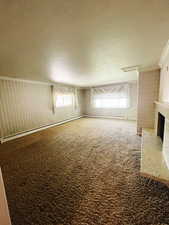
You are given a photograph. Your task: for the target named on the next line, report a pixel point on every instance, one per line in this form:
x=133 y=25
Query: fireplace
x=155 y=146
x=161 y=126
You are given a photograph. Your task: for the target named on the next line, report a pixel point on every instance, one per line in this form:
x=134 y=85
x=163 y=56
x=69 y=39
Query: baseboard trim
x=106 y=117
x=110 y=117
x=9 y=138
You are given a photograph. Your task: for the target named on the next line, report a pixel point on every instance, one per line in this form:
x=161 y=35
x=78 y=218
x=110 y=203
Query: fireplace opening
x=160 y=127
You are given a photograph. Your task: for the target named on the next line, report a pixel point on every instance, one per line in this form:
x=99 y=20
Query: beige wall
x=148 y=92
x=130 y=113
x=164 y=82
x=4 y=212
x=26 y=106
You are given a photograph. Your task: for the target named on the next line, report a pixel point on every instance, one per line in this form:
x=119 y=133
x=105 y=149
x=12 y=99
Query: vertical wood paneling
x=26 y=106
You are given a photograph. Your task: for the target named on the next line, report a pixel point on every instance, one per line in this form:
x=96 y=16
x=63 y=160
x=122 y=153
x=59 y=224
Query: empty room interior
x=84 y=112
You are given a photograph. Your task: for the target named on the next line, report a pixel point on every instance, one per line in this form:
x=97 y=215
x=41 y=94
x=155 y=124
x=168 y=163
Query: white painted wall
x=164 y=81
x=130 y=113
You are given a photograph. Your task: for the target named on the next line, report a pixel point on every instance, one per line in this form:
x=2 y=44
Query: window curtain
x=76 y=99
x=115 y=91
x=64 y=90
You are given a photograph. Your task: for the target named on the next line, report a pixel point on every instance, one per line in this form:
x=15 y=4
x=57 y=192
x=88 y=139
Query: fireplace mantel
x=163 y=104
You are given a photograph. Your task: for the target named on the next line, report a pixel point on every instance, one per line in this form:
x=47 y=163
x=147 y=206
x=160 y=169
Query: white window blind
x=115 y=96
x=64 y=96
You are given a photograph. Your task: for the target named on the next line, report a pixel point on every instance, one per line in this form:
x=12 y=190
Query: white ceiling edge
x=36 y=81
x=107 y=84
x=64 y=83
x=24 y=80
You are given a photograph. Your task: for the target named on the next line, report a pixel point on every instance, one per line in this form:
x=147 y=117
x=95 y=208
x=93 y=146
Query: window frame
x=109 y=98
x=63 y=105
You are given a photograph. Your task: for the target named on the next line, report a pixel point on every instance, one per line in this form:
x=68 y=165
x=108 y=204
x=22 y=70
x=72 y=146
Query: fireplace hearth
x=155 y=146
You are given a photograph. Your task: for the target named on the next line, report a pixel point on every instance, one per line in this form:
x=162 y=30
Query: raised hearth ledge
x=153 y=164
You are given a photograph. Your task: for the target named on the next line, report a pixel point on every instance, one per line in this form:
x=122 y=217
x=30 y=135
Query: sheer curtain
x=64 y=96
x=76 y=99
x=111 y=96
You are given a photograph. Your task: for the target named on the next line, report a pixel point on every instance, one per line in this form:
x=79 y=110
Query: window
x=113 y=96
x=64 y=100
x=108 y=102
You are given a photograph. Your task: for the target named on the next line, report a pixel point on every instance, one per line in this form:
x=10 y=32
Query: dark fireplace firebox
x=160 y=126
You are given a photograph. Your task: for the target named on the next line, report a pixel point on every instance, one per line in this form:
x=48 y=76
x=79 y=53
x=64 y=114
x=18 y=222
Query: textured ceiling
x=80 y=42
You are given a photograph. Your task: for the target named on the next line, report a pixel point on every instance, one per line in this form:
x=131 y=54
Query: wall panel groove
x=26 y=106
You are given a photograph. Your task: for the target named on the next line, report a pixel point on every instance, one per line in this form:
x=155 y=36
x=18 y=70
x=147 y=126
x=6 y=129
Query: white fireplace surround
x=163 y=108
x=154 y=152
x=166 y=142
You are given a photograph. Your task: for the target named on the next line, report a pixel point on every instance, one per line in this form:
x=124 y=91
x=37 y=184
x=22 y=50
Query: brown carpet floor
x=85 y=172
